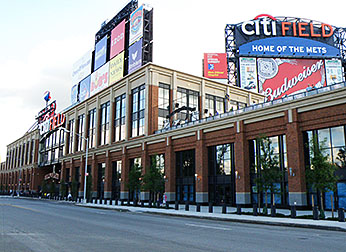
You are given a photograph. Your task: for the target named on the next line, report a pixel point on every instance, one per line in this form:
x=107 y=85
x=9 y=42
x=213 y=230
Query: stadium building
x=285 y=80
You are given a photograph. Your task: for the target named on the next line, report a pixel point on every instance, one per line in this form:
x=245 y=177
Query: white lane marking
x=205 y=226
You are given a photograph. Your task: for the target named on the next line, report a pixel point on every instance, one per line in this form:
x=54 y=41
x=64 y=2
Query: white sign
x=333 y=71
x=82 y=68
x=248 y=74
x=136 y=25
x=99 y=79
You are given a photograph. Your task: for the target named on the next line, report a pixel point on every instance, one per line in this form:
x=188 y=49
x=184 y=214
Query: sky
x=42 y=39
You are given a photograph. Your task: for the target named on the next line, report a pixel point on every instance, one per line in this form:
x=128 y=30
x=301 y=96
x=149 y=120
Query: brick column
x=108 y=177
x=170 y=173
x=94 y=172
x=81 y=179
x=242 y=165
x=201 y=156
x=125 y=166
x=145 y=159
x=295 y=156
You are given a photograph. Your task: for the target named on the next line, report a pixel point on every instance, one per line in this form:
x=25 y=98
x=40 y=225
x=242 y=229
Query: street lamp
x=86 y=160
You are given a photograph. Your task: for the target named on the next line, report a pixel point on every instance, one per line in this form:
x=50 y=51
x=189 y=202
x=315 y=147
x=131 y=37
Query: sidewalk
x=232 y=216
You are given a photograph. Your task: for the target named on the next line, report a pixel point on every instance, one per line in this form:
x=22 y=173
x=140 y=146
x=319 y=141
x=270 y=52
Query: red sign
x=117 y=39
x=281 y=77
x=215 y=65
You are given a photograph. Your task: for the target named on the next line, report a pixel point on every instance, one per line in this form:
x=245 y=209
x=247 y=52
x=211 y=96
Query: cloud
x=47 y=66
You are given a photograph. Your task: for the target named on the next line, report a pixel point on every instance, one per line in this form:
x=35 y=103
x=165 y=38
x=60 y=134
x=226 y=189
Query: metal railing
x=257 y=106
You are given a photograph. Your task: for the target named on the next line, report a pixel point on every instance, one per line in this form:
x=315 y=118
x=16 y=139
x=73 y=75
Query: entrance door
x=185 y=177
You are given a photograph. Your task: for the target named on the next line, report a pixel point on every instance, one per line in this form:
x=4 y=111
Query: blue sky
x=41 y=39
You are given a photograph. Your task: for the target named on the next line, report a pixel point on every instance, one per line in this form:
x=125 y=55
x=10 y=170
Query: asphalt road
x=42 y=226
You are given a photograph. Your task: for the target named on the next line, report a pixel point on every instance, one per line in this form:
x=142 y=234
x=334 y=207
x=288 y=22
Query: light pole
x=86 y=160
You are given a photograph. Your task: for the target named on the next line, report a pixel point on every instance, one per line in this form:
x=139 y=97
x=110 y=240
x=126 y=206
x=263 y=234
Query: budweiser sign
x=279 y=78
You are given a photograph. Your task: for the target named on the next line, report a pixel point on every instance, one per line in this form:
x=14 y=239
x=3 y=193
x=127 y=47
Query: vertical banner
x=281 y=77
x=136 y=25
x=117 y=39
x=333 y=71
x=74 y=94
x=135 y=56
x=100 y=53
x=82 y=68
x=84 y=89
x=248 y=74
x=215 y=65
x=99 y=79
x=116 y=68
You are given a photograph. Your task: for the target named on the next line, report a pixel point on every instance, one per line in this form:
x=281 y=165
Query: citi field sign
x=268 y=35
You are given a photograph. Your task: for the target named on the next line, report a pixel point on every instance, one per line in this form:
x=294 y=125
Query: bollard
x=142 y=203
x=293 y=212
x=198 y=207
x=122 y=202
x=238 y=209
x=187 y=206
x=128 y=202
x=341 y=215
x=110 y=202
x=176 y=207
x=167 y=205
x=150 y=204
x=315 y=213
x=273 y=211
x=210 y=207
x=224 y=208
x=105 y=201
x=254 y=209
x=116 y=202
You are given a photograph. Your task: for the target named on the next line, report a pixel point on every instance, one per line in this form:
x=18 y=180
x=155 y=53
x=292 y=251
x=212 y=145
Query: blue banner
x=135 y=56
x=288 y=46
x=100 y=53
x=84 y=89
x=74 y=94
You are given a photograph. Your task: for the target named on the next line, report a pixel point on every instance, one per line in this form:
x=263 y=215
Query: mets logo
x=136 y=21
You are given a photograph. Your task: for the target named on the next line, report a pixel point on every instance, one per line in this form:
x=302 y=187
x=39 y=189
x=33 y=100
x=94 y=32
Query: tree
x=320 y=176
x=153 y=180
x=52 y=187
x=44 y=187
x=268 y=170
x=74 y=189
x=135 y=180
x=63 y=188
x=341 y=158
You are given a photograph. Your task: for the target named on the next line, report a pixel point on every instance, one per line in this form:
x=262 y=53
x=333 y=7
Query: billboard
x=84 y=89
x=117 y=39
x=100 y=53
x=135 y=56
x=215 y=65
x=82 y=68
x=248 y=74
x=280 y=77
x=136 y=25
x=333 y=71
x=116 y=68
x=99 y=79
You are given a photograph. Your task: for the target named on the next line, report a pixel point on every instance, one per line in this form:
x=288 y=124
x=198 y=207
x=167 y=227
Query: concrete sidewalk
x=231 y=216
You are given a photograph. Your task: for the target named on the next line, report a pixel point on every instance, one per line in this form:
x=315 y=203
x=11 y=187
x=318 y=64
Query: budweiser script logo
x=271 y=94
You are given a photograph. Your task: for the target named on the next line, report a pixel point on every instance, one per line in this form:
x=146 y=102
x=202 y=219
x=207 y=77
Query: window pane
x=338 y=136
x=324 y=136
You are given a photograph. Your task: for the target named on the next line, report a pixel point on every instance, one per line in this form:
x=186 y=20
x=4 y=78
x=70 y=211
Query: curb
x=219 y=218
